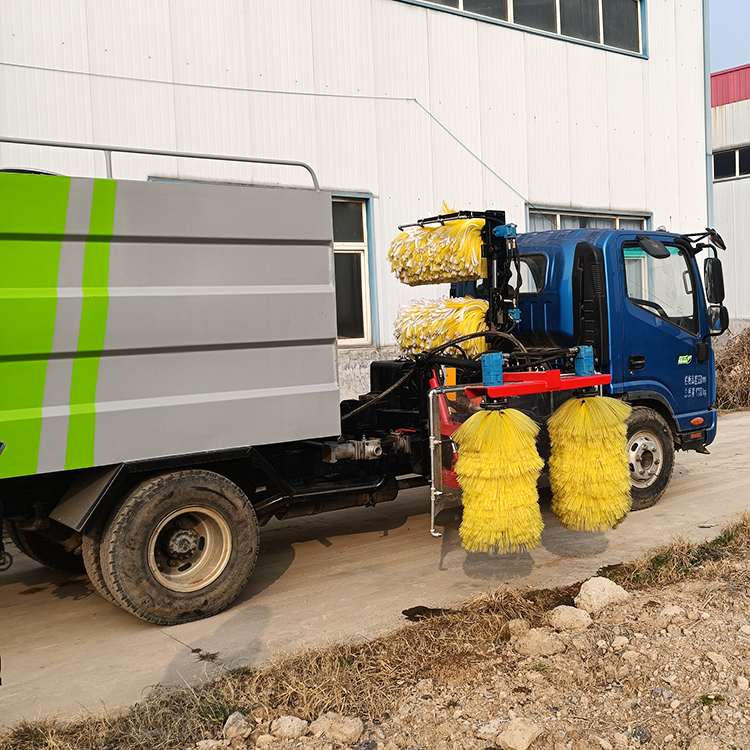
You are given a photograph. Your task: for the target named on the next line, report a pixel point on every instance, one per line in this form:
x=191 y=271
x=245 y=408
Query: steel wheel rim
x=645 y=458
x=189 y=549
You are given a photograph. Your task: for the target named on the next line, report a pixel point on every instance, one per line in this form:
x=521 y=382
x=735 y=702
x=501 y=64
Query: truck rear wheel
x=650 y=456
x=45 y=551
x=179 y=547
x=92 y=560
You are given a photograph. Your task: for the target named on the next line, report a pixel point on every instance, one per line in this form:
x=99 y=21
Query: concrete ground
x=342 y=575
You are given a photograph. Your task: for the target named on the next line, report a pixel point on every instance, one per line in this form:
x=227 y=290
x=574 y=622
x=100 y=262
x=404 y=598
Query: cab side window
x=662 y=286
x=533 y=270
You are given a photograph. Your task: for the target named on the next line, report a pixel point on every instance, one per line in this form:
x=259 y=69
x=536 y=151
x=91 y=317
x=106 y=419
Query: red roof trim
x=728 y=86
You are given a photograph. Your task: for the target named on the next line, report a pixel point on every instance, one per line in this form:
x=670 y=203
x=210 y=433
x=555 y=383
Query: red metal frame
x=523 y=383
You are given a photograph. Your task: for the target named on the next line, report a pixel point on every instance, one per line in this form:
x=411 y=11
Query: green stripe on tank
x=82 y=426
x=33 y=210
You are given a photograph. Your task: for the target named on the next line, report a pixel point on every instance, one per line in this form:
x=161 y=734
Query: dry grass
x=733 y=372
x=363 y=679
x=683 y=559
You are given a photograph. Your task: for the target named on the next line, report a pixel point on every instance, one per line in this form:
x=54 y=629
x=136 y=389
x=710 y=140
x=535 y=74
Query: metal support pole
x=436 y=447
x=108 y=163
x=436 y=452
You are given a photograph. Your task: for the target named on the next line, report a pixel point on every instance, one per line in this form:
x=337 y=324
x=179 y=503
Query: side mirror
x=718 y=319
x=713 y=276
x=716 y=239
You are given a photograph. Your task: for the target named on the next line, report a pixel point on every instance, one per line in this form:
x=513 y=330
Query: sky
x=730 y=33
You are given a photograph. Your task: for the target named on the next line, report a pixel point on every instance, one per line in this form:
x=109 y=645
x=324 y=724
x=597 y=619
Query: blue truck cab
x=649 y=322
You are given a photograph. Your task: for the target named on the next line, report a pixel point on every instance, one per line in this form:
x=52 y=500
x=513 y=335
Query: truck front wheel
x=179 y=547
x=650 y=456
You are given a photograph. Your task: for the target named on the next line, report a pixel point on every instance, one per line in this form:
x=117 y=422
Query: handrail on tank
x=107 y=150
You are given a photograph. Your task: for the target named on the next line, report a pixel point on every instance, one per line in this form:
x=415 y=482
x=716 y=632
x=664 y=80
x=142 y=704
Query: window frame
x=683 y=253
x=558 y=213
x=543 y=286
x=362 y=249
x=737 y=174
x=641 y=14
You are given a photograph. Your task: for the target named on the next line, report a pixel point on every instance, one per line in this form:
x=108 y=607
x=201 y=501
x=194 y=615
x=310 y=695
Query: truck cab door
x=661 y=331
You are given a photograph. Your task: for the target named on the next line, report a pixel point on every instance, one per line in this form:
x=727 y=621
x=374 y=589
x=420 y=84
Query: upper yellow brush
x=439 y=254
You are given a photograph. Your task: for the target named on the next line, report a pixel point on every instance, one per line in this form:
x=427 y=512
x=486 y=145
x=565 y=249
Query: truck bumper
x=696 y=438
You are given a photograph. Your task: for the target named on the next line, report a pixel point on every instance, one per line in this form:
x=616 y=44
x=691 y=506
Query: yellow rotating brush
x=439 y=254
x=588 y=468
x=425 y=324
x=497 y=467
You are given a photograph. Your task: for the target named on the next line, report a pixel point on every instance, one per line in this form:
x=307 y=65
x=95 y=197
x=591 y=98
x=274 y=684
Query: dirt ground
x=667 y=667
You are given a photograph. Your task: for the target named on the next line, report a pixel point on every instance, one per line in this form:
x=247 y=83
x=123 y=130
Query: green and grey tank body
x=143 y=320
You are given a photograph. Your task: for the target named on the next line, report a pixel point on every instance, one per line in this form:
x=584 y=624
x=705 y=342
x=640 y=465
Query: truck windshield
x=664 y=287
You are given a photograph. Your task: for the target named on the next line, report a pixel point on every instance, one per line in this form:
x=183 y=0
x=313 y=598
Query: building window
x=620 y=24
x=489 y=8
x=543 y=221
x=539 y=14
x=613 y=23
x=350 y=261
x=729 y=164
x=580 y=19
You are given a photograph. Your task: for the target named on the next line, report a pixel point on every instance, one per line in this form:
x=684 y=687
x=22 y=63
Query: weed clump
x=682 y=559
x=733 y=372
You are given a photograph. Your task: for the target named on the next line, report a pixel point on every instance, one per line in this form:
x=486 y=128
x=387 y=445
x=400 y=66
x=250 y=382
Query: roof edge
x=730 y=86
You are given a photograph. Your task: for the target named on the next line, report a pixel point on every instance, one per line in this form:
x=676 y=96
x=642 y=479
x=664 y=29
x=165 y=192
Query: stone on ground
x=703 y=742
x=518 y=734
x=599 y=593
x=619 y=642
x=514 y=628
x=334 y=726
x=537 y=642
x=491 y=729
x=569 y=618
x=717 y=659
x=236 y=726
x=671 y=612
x=288 y=727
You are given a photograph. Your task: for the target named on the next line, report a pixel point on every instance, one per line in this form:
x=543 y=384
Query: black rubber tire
x=50 y=554
x=91 y=547
x=128 y=535
x=645 y=420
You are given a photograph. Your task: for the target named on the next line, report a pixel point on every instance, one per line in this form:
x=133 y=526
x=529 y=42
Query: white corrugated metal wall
x=379 y=96
x=731 y=129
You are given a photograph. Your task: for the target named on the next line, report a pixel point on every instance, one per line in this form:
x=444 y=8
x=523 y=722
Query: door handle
x=636 y=361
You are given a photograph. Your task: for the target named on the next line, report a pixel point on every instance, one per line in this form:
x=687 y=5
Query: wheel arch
x=96 y=490
x=657 y=403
